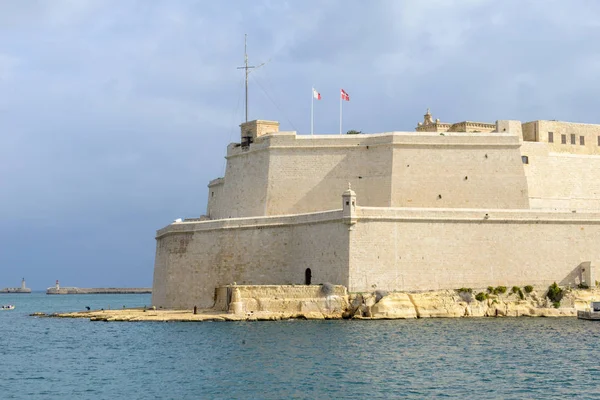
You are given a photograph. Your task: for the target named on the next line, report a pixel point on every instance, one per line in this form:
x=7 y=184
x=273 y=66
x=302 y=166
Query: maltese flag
x=316 y=94
x=345 y=96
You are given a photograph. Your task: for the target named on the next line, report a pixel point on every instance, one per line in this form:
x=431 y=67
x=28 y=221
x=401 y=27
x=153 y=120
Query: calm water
x=43 y=358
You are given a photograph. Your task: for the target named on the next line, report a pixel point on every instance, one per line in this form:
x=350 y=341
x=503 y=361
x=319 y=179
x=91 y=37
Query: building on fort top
x=429 y=125
x=468 y=204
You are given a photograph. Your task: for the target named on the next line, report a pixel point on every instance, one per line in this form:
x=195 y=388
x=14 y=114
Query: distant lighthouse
x=57 y=286
x=23 y=287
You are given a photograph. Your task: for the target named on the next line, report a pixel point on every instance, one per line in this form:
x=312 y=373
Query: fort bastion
x=468 y=204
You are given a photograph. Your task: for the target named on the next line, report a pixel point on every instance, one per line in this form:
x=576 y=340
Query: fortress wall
x=309 y=179
x=458 y=171
x=215 y=194
x=161 y=273
x=195 y=258
x=282 y=173
x=424 y=249
x=561 y=181
x=245 y=186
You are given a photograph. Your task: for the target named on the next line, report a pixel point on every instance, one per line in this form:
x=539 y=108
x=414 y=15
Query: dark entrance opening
x=307 y=276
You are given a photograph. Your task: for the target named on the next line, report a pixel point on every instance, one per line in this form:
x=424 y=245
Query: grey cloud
x=115 y=114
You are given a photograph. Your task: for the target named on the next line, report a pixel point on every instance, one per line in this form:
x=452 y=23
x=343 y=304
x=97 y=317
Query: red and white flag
x=316 y=94
x=345 y=96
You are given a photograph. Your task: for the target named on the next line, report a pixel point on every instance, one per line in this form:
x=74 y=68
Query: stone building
x=468 y=204
x=429 y=125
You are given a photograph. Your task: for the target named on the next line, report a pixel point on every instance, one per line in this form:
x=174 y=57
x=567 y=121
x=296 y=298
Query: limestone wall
x=311 y=177
x=561 y=180
x=282 y=173
x=215 y=194
x=458 y=170
x=424 y=249
x=245 y=187
x=192 y=259
x=285 y=298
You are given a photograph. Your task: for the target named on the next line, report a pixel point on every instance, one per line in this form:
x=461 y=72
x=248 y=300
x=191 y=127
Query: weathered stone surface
x=439 y=304
x=393 y=306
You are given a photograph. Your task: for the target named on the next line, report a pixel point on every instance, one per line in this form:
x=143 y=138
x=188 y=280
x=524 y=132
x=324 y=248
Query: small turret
x=57 y=285
x=23 y=284
x=349 y=205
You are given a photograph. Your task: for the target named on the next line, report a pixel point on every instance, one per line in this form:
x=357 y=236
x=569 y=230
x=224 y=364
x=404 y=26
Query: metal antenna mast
x=247 y=68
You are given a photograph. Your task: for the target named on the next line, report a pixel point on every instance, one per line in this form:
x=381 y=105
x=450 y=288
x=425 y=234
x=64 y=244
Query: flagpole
x=312 y=111
x=340 y=113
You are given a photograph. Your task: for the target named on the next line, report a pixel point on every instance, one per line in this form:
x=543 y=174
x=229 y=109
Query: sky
x=115 y=114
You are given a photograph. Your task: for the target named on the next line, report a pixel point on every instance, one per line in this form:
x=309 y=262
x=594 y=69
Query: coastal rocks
x=394 y=306
x=457 y=304
x=377 y=305
x=443 y=304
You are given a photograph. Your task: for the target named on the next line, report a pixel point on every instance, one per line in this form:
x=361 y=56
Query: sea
x=491 y=358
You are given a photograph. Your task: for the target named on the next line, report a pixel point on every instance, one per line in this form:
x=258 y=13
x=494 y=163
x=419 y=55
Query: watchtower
x=253 y=129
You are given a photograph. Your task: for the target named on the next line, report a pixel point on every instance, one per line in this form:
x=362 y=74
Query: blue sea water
x=508 y=358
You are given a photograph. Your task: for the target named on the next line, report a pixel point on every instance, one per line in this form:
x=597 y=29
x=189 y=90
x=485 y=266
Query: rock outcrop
x=256 y=304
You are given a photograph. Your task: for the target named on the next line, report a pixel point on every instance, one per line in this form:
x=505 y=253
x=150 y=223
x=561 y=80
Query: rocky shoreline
x=461 y=303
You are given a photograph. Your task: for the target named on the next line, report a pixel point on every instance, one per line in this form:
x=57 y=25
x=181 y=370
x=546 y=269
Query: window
x=598 y=140
x=572 y=138
x=525 y=159
x=582 y=140
x=563 y=139
x=550 y=137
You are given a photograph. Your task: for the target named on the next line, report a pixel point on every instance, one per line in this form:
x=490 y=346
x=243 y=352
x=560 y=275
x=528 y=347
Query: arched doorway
x=307 y=276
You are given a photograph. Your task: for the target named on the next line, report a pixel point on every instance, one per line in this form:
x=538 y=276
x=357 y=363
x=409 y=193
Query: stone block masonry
x=469 y=204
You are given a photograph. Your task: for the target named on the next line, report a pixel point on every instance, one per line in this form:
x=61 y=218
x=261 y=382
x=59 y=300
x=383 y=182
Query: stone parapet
x=527 y=216
x=250 y=222
x=326 y=299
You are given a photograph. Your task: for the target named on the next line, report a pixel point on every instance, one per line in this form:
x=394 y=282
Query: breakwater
x=76 y=290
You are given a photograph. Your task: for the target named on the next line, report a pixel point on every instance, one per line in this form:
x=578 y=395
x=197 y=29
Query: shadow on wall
x=580 y=275
x=371 y=180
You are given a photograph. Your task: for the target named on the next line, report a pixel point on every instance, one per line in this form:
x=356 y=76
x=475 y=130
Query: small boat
x=592 y=313
x=7 y=307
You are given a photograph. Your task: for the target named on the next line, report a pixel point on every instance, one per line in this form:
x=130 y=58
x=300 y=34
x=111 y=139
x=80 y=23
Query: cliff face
x=452 y=304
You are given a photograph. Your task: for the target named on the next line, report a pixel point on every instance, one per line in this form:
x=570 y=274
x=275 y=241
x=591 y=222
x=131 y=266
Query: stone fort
x=468 y=204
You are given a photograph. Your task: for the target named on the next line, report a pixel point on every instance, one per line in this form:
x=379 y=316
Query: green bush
x=515 y=289
x=500 y=290
x=490 y=289
x=554 y=293
x=464 y=290
x=528 y=289
x=481 y=296
x=556 y=304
